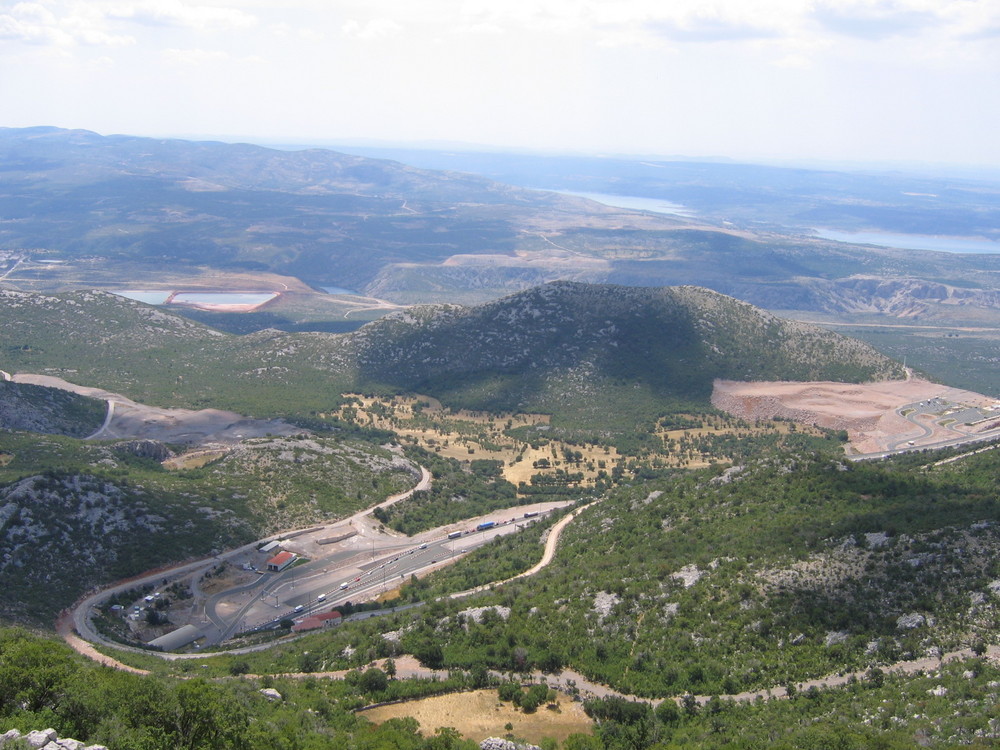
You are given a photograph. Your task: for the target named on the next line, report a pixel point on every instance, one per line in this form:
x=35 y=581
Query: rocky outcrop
x=36 y=408
x=497 y=743
x=42 y=739
x=153 y=449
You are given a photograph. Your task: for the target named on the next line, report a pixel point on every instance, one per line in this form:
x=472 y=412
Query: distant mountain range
x=119 y=210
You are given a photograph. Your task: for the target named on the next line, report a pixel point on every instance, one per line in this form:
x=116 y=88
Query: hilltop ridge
x=587 y=354
x=565 y=346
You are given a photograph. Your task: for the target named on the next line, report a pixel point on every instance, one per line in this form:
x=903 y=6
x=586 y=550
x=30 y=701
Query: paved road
x=913 y=442
x=342 y=577
x=81 y=611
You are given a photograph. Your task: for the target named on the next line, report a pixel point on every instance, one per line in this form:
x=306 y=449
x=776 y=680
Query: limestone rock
x=497 y=743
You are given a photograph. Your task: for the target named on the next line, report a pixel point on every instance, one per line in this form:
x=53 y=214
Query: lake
x=148 y=296
x=635 y=202
x=223 y=298
x=913 y=241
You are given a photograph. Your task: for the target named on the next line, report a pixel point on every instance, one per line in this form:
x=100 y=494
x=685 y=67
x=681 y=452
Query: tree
x=206 y=716
x=374 y=680
x=668 y=713
x=429 y=654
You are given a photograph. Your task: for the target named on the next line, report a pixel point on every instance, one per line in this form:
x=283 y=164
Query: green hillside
x=47 y=685
x=48 y=410
x=594 y=356
x=600 y=355
x=74 y=515
x=787 y=568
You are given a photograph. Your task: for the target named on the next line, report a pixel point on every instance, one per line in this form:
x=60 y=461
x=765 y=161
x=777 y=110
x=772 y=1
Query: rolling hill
x=36 y=408
x=600 y=354
x=593 y=356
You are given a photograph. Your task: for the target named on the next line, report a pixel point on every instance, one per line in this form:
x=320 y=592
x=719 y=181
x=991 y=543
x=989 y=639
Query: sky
x=876 y=81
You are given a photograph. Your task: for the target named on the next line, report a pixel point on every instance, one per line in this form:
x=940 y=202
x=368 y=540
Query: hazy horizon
x=853 y=82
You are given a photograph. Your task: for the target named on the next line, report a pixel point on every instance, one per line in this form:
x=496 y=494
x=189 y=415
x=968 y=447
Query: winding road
x=567 y=680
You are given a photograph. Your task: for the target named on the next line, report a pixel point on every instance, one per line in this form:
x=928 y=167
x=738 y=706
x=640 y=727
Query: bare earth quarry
x=874 y=415
x=870 y=413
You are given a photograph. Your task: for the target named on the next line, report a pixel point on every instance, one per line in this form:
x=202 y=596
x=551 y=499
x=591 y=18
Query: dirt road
x=127 y=419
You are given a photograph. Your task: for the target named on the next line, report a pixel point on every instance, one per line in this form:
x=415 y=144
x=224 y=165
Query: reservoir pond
x=940 y=243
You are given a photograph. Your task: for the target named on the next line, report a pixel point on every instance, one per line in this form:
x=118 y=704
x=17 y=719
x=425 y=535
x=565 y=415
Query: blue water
x=223 y=298
x=913 y=241
x=636 y=202
x=149 y=296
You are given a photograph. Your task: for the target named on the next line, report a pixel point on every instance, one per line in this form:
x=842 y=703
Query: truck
x=455 y=535
x=531 y=514
x=486 y=525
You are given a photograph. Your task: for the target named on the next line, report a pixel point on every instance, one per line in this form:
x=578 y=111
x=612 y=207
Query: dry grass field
x=468 y=436
x=480 y=714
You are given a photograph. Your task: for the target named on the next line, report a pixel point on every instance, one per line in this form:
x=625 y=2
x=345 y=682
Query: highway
x=338 y=578
x=934 y=412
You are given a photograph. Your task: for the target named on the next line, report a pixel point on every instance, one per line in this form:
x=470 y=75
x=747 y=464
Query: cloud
x=174 y=13
x=36 y=23
x=873 y=21
x=200 y=57
x=64 y=24
x=194 y=56
x=709 y=30
x=990 y=32
x=376 y=28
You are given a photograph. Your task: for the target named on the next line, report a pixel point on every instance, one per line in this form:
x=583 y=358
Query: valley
x=287 y=434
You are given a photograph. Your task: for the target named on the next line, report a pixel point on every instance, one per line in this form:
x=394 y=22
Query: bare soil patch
x=866 y=411
x=480 y=714
x=131 y=420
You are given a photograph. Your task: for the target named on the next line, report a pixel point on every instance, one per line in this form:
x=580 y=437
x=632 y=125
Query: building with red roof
x=322 y=620
x=280 y=561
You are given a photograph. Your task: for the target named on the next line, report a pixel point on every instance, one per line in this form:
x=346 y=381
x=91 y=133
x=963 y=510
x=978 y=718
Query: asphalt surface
x=926 y=416
x=339 y=578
